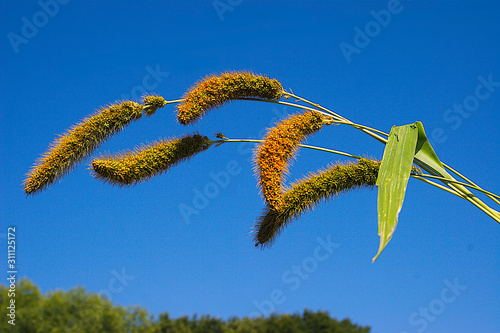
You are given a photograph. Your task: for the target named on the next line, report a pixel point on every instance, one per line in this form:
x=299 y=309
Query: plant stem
x=490 y=195
x=288 y=104
x=444 y=188
x=490 y=212
x=288 y=95
x=358 y=126
x=464 y=193
x=475 y=187
x=300 y=145
x=346 y=121
x=175 y=101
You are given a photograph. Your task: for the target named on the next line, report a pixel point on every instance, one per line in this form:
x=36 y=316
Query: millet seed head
x=133 y=167
x=216 y=90
x=78 y=142
x=152 y=103
x=280 y=145
x=305 y=194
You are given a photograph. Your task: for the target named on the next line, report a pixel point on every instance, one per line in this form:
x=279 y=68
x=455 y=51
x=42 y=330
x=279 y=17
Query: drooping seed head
x=136 y=166
x=78 y=142
x=273 y=156
x=215 y=90
x=305 y=194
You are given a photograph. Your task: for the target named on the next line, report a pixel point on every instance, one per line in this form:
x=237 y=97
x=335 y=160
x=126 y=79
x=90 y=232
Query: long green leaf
x=392 y=179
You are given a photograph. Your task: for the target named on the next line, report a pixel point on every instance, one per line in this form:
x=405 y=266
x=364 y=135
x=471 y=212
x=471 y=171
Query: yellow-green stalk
x=146 y=162
x=215 y=90
x=272 y=157
x=78 y=142
x=305 y=194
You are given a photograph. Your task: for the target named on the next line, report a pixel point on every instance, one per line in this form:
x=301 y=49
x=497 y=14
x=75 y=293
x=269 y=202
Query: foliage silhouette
x=78 y=311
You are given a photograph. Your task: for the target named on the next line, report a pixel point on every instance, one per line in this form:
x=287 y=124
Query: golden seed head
x=153 y=103
x=215 y=90
x=78 y=142
x=136 y=166
x=305 y=194
x=273 y=156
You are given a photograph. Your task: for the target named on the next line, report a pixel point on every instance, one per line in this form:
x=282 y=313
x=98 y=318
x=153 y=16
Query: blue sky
x=427 y=61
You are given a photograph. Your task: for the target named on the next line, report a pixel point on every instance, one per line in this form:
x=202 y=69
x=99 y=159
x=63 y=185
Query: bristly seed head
x=78 y=142
x=273 y=156
x=213 y=91
x=133 y=167
x=305 y=194
x=153 y=103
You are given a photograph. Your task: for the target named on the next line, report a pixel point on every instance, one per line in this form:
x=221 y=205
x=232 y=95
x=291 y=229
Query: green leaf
x=393 y=177
x=428 y=160
x=425 y=154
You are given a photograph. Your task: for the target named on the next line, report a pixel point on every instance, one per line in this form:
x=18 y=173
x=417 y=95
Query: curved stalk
x=444 y=188
x=465 y=194
x=347 y=121
x=490 y=213
x=288 y=95
x=490 y=195
x=299 y=145
x=475 y=187
x=289 y=104
x=359 y=126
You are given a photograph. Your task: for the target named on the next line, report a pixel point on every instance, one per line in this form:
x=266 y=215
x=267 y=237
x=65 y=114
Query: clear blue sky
x=423 y=63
